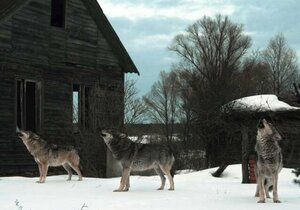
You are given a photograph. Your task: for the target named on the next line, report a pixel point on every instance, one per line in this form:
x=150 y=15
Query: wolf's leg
x=257 y=185
x=121 y=181
x=162 y=178
x=260 y=182
x=45 y=171
x=275 y=193
x=67 y=167
x=125 y=175
x=76 y=168
x=257 y=190
x=267 y=186
x=41 y=173
x=166 y=170
x=127 y=183
x=41 y=169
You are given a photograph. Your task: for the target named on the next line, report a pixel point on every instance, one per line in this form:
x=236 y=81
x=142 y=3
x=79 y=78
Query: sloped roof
x=9 y=7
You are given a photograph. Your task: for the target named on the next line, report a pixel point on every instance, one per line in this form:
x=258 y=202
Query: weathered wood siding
x=57 y=57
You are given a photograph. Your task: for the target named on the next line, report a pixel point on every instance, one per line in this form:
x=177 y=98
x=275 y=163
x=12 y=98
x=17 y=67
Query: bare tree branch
x=282 y=61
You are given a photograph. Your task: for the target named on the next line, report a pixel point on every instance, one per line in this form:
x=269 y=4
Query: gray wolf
x=46 y=155
x=269 y=160
x=139 y=157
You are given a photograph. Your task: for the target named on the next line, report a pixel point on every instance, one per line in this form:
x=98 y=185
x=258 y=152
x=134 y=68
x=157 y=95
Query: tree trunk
x=245 y=154
x=220 y=170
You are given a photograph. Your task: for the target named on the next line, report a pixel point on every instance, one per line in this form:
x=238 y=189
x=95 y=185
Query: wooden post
x=245 y=154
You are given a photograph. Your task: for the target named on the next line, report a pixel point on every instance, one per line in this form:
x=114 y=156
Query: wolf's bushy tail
x=76 y=156
x=80 y=167
x=173 y=152
x=173 y=171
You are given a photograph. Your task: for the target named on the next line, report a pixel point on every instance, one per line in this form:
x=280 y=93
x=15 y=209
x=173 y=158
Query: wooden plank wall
x=58 y=57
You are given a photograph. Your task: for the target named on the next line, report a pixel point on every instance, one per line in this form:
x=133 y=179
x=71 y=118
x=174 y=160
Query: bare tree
x=254 y=76
x=214 y=48
x=134 y=106
x=282 y=61
x=184 y=76
x=162 y=102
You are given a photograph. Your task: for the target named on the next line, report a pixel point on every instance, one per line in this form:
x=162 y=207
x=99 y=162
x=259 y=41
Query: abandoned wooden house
x=53 y=55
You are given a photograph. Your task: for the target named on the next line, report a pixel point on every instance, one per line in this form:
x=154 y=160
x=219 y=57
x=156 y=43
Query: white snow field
x=195 y=190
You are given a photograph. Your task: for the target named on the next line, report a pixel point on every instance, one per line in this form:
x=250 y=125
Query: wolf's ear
x=261 y=123
x=122 y=135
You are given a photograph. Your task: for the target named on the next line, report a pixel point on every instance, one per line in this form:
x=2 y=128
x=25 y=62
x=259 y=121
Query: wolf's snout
x=103 y=133
x=20 y=134
x=278 y=137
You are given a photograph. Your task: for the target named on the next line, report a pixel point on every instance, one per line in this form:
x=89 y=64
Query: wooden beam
x=245 y=153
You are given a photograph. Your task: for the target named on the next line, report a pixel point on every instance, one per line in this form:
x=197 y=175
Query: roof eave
x=111 y=36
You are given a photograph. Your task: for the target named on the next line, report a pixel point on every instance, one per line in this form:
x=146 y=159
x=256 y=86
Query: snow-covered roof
x=259 y=103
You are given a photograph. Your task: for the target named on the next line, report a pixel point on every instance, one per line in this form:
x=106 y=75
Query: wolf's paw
x=80 y=179
x=161 y=188
x=256 y=195
x=171 y=189
x=261 y=201
x=268 y=196
x=68 y=180
x=277 y=201
x=117 y=190
x=40 y=182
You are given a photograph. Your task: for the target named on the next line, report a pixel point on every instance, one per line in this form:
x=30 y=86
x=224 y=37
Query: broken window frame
x=83 y=106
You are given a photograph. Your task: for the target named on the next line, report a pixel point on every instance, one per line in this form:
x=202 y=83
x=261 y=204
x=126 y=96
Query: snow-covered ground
x=195 y=190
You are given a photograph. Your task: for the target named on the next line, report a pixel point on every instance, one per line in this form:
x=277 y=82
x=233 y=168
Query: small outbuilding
x=246 y=112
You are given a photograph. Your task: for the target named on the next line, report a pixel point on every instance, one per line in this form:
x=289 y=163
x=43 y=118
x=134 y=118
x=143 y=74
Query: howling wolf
x=269 y=160
x=139 y=157
x=46 y=155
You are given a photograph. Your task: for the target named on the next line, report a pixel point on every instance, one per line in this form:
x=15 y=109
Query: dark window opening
x=58 y=8
x=20 y=104
x=28 y=110
x=30 y=104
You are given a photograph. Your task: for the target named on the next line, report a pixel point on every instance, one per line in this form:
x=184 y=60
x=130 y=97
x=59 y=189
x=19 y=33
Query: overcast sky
x=147 y=27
